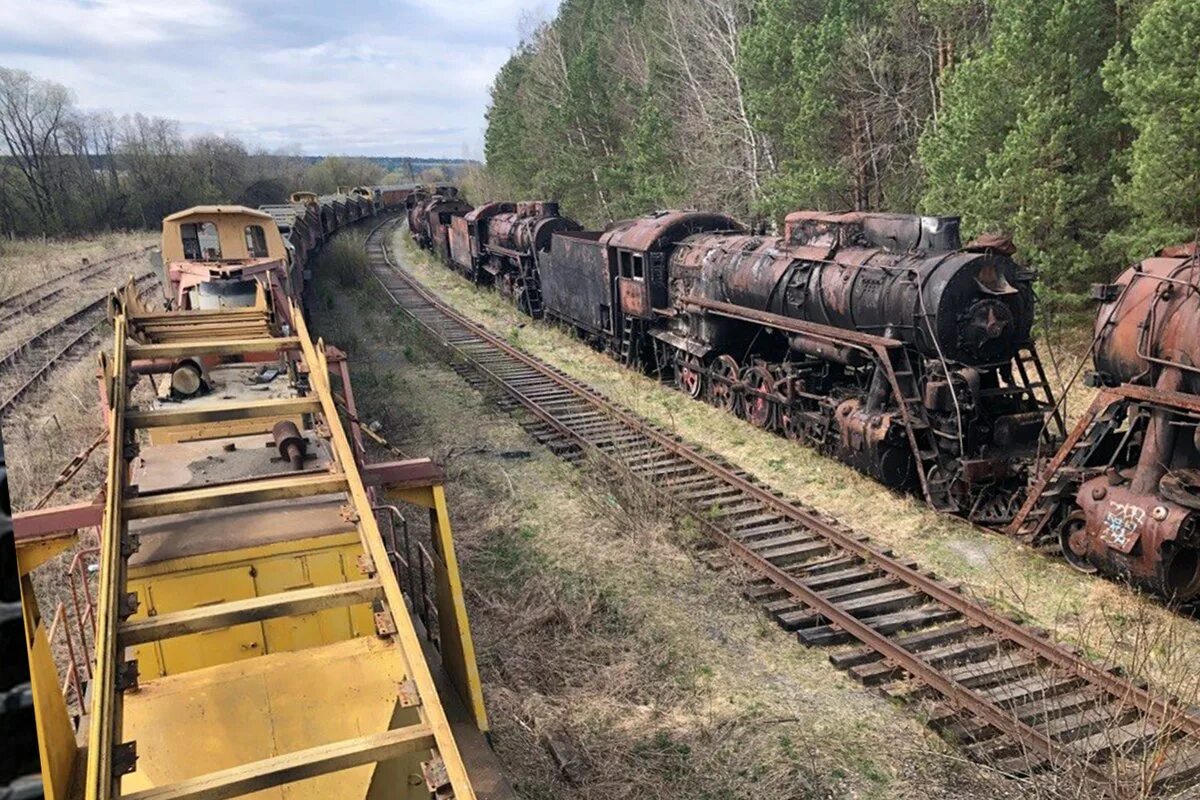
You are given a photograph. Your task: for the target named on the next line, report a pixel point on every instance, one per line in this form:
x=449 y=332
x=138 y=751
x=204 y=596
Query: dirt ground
x=601 y=639
x=1107 y=620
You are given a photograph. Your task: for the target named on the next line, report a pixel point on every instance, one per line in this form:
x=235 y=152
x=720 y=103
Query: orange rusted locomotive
x=1122 y=495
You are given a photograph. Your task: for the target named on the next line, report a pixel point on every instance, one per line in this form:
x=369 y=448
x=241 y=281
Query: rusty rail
x=44 y=293
x=12 y=360
x=834 y=586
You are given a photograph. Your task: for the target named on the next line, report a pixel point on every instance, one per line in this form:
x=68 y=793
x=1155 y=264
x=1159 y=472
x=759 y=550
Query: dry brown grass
x=27 y=262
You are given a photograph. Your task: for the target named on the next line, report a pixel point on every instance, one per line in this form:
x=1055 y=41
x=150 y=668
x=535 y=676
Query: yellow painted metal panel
x=246 y=555
x=212 y=647
x=306 y=630
x=272 y=568
x=269 y=706
x=31 y=555
x=56 y=735
x=362 y=617
x=458 y=648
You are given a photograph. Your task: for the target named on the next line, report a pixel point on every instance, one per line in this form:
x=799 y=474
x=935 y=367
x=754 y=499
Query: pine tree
x=1157 y=81
x=1025 y=140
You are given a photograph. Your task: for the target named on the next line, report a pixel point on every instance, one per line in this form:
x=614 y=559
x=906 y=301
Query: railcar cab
x=216 y=257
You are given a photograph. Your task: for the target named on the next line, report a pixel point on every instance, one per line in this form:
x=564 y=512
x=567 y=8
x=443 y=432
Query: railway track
x=1016 y=701
x=27 y=365
x=38 y=297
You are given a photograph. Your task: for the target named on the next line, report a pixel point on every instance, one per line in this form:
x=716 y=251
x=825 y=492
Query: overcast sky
x=368 y=77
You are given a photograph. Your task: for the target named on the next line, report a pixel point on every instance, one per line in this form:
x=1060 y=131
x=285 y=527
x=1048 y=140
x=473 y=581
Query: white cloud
x=396 y=77
x=110 y=23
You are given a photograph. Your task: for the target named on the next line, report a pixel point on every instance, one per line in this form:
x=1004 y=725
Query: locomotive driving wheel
x=724 y=375
x=1073 y=539
x=689 y=375
x=758 y=407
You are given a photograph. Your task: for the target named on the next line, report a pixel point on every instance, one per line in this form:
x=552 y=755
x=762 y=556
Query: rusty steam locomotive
x=885 y=342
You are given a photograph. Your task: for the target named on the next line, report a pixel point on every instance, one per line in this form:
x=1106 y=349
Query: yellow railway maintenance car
x=267 y=614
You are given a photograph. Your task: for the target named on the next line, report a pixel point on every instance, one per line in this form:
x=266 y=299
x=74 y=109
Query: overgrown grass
x=343 y=259
x=25 y=263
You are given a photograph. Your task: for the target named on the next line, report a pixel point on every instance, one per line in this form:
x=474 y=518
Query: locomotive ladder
x=921 y=436
x=532 y=285
x=1027 y=358
x=142 y=335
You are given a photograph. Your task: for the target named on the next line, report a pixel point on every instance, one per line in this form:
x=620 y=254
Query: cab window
x=256 y=241
x=200 y=241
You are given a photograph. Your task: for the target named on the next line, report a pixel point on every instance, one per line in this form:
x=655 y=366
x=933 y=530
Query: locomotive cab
x=637 y=256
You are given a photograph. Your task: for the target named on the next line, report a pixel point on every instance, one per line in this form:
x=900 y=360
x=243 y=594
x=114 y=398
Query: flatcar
x=249 y=629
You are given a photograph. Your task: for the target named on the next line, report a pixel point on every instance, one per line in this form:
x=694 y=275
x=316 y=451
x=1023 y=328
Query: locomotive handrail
x=864 y=340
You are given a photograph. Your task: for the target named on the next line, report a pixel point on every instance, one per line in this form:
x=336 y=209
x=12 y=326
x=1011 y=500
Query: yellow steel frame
x=114 y=635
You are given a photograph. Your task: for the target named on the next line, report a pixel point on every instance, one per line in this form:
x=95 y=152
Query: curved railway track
x=26 y=365
x=37 y=297
x=1017 y=702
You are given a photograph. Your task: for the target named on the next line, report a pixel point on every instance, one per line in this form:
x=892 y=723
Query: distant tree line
x=65 y=171
x=1073 y=125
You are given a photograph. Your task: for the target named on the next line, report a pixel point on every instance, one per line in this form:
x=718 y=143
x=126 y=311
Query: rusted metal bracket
x=130 y=544
x=436 y=777
x=127 y=676
x=385 y=626
x=128 y=605
x=366 y=565
x=407 y=694
x=124 y=758
x=349 y=514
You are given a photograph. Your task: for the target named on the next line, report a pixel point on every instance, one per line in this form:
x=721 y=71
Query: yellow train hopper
x=272 y=617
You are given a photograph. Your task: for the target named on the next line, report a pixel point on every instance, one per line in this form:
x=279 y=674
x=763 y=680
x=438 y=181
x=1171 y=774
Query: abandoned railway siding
x=615 y=665
x=1044 y=689
x=1106 y=619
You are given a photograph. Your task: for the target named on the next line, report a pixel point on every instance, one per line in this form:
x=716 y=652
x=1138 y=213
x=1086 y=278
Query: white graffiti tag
x=1121 y=524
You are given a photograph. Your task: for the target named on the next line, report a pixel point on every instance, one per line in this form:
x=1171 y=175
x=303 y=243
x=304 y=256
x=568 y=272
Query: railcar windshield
x=200 y=241
x=212 y=295
x=256 y=241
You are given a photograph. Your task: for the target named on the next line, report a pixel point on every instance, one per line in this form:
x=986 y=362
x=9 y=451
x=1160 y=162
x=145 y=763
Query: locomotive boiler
x=498 y=243
x=1123 y=495
x=877 y=338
